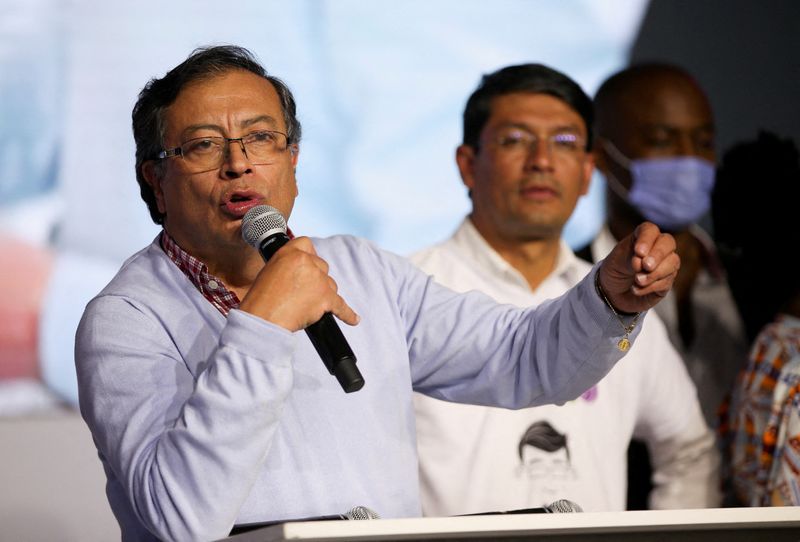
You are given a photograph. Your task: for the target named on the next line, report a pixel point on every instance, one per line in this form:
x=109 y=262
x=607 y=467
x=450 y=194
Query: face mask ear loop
x=616 y=155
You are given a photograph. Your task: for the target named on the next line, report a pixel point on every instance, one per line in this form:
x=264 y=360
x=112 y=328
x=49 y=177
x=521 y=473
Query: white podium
x=728 y=524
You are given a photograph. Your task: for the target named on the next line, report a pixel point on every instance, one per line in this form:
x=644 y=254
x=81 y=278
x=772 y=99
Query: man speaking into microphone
x=208 y=406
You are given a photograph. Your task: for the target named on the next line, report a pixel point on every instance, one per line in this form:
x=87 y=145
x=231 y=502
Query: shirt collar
x=603 y=243
x=475 y=246
x=211 y=287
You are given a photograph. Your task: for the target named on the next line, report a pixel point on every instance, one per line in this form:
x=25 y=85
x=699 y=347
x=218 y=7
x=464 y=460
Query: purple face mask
x=670 y=192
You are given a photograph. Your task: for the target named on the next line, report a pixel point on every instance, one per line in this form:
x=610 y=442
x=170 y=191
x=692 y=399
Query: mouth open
x=238 y=203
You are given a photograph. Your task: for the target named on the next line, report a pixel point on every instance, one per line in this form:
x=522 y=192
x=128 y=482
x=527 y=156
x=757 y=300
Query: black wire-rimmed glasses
x=521 y=142
x=209 y=152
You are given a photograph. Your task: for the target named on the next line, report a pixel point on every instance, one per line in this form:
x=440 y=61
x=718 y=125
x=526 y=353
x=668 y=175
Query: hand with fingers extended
x=640 y=270
x=294 y=290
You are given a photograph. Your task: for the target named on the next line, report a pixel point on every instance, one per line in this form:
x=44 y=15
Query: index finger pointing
x=645 y=236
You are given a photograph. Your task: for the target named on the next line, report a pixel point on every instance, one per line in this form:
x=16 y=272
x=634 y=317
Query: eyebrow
x=261 y=118
x=560 y=128
x=670 y=127
x=244 y=124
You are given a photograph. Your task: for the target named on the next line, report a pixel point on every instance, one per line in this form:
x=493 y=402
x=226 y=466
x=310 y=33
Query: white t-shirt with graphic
x=480 y=459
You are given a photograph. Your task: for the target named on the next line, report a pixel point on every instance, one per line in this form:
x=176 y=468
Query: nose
x=686 y=145
x=539 y=156
x=236 y=161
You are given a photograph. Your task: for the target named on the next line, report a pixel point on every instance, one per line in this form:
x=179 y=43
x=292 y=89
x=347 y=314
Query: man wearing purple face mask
x=655 y=147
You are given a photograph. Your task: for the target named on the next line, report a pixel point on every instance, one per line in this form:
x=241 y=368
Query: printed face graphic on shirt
x=545 y=463
x=539 y=463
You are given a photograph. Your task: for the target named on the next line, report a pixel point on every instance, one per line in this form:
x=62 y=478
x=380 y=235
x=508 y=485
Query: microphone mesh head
x=261 y=221
x=362 y=512
x=564 y=505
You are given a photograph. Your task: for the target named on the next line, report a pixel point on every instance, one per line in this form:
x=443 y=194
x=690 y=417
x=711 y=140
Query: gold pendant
x=624 y=344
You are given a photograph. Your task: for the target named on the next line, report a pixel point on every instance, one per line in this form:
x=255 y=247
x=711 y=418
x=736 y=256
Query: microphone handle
x=357 y=513
x=557 y=507
x=324 y=334
x=336 y=354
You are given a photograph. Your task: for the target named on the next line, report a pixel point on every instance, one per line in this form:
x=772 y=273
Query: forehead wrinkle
x=261 y=118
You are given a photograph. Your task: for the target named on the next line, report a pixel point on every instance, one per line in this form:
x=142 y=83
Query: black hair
x=158 y=94
x=543 y=436
x=533 y=78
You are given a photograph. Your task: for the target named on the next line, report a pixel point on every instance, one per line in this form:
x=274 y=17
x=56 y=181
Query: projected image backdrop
x=380 y=88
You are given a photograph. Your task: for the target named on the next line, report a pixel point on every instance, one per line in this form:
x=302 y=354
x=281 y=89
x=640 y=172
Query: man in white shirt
x=525 y=162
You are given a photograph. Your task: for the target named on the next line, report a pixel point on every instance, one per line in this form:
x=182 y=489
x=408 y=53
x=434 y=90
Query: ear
x=588 y=169
x=153 y=179
x=294 y=153
x=465 y=160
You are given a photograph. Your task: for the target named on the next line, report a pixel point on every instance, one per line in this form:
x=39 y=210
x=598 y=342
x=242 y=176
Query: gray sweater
x=203 y=421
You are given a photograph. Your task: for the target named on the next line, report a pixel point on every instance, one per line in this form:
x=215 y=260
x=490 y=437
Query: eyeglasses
x=519 y=142
x=207 y=153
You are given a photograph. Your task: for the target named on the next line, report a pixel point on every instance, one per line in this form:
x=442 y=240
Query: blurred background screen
x=380 y=88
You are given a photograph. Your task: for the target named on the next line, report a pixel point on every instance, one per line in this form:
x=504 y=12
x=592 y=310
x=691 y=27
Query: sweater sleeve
x=467 y=348
x=175 y=441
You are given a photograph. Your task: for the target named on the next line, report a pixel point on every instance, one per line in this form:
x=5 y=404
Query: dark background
x=745 y=54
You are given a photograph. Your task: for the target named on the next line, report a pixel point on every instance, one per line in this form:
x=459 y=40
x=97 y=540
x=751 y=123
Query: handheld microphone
x=264 y=228
x=563 y=506
x=361 y=512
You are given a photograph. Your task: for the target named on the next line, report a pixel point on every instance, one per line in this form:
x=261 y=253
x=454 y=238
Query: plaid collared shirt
x=760 y=426
x=210 y=286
